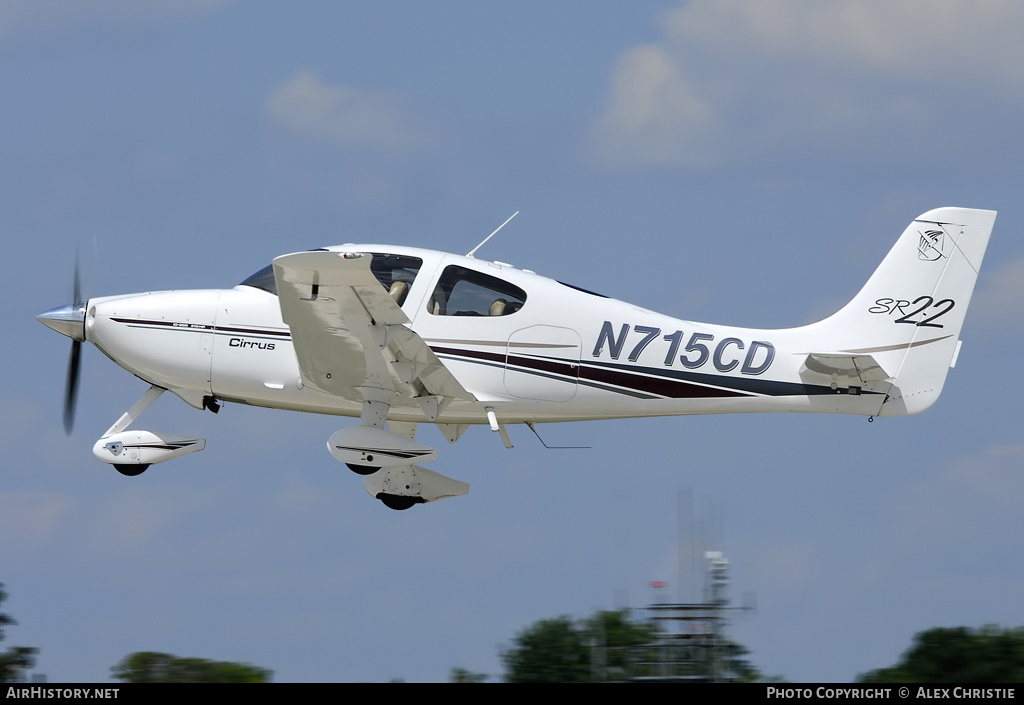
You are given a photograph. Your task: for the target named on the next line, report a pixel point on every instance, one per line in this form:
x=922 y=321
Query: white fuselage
x=566 y=354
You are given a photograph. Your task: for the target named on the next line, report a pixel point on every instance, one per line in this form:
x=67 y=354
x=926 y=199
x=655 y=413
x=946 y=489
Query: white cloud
x=910 y=37
x=347 y=117
x=734 y=80
x=654 y=115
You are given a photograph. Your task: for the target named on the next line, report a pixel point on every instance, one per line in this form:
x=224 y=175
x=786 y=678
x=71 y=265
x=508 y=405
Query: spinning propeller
x=70 y=321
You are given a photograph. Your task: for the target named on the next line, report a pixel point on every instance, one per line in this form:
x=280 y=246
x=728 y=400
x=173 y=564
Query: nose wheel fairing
x=144 y=447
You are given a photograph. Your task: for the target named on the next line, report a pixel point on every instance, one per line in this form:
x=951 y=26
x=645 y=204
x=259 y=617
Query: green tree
x=549 y=651
x=155 y=667
x=739 y=669
x=461 y=675
x=17 y=658
x=609 y=646
x=958 y=655
x=616 y=643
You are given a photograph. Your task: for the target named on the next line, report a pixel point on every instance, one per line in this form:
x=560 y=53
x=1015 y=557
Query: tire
x=397 y=502
x=130 y=470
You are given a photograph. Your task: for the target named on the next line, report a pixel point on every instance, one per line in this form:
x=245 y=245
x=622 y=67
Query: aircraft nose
x=68 y=320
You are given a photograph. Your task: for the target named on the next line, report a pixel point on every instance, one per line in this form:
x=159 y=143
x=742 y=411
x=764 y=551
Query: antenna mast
x=470 y=253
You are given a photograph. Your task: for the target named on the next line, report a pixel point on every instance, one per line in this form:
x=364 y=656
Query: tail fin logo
x=931 y=244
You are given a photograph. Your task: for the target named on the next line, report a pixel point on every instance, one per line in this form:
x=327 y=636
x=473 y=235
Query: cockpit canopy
x=459 y=291
x=394 y=272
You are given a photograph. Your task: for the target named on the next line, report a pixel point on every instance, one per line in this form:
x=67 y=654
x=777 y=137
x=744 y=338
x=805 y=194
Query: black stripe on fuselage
x=745 y=385
x=646 y=382
x=571 y=380
x=626 y=381
x=203 y=328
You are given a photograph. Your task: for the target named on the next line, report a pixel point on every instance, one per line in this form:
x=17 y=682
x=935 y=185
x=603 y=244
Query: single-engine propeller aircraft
x=400 y=336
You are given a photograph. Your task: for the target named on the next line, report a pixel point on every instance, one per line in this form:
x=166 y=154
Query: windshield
x=263 y=279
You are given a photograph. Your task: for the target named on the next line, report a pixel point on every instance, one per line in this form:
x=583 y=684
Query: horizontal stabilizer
x=854 y=367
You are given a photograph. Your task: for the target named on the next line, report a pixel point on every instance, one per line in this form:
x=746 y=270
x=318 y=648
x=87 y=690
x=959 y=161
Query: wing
x=350 y=336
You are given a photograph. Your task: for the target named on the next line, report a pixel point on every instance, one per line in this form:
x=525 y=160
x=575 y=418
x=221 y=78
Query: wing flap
x=350 y=335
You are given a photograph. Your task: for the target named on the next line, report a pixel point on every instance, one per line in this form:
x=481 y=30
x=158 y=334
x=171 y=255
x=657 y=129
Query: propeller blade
x=71 y=390
x=77 y=300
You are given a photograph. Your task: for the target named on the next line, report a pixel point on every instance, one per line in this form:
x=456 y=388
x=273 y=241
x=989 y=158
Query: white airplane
x=400 y=336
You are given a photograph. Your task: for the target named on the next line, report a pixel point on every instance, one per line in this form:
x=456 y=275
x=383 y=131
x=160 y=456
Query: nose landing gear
x=131 y=452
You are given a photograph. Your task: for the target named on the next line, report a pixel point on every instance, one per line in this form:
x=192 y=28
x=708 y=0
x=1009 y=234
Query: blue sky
x=743 y=163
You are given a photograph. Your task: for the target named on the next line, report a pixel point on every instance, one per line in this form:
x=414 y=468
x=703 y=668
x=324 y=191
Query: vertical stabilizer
x=908 y=316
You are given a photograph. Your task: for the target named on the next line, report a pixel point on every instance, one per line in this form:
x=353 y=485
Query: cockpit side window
x=263 y=279
x=466 y=292
x=396 y=273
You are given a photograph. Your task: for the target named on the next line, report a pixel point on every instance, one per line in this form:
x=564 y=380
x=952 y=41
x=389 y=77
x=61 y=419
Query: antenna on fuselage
x=529 y=424
x=470 y=253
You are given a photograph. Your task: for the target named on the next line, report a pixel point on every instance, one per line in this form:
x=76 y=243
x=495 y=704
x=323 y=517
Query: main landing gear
x=387 y=460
